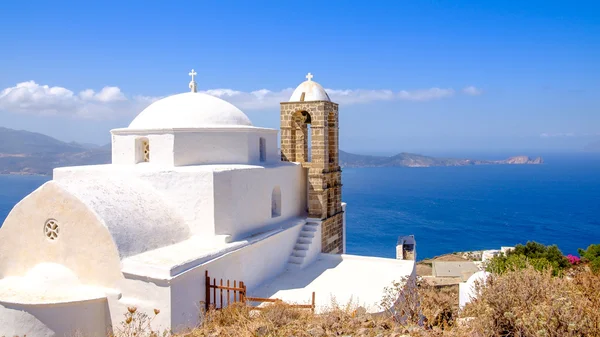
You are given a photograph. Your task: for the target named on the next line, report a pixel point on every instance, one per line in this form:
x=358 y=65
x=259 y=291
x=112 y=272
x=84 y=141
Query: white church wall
x=211 y=147
x=82 y=240
x=243 y=198
x=271 y=154
x=219 y=146
x=253 y=264
x=125 y=148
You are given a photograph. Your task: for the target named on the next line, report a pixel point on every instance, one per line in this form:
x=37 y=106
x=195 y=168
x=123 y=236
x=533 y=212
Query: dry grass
x=282 y=320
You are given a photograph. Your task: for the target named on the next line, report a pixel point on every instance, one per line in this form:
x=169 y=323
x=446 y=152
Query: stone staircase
x=302 y=252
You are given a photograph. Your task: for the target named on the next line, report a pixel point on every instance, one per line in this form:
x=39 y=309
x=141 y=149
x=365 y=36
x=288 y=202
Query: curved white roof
x=138 y=218
x=190 y=110
x=312 y=91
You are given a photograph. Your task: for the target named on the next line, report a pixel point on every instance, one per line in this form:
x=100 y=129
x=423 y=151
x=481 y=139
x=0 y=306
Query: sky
x=418 y=76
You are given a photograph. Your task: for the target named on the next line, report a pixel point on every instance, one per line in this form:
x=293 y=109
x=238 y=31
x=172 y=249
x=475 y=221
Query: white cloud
x=473 y=91
x=557 y=135
x=32 y=98
x=254 y=100
x=426 y=95
x=359 y=96
x=265 y=99
x=106 y=95
x=568 y=134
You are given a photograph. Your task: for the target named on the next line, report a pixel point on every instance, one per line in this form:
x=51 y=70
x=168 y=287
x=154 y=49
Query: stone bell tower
x=310 y=106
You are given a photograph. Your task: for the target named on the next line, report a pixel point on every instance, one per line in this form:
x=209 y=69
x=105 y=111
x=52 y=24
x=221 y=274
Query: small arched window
x=262 y=145
x=276 y=202
x=142 y=150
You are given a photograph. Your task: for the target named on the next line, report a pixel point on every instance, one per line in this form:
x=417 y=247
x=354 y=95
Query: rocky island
x=416 y=160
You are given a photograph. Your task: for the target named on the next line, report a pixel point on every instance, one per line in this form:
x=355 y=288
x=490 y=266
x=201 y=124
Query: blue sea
x=452 y=208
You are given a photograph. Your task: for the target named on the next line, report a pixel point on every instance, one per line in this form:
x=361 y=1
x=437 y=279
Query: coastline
x=25 y=174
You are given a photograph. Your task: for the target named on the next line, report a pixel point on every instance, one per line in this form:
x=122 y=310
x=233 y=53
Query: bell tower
x=311 y=117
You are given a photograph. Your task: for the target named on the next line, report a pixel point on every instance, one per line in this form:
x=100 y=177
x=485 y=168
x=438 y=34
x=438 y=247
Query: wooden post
x=215 y=291
x=313 y=302
x=235 y=291
x=243 y=292
x=227 y=292
x=207 y=295
x=221 y=294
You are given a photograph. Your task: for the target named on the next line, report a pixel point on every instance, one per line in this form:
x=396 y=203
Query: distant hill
x=25 y=142
x=417 y=160
x=592 y=147
x=24 y=152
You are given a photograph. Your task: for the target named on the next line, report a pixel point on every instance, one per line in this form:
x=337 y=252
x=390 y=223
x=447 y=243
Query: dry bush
x=532 y=303
x=415 y=302
x=439 y=305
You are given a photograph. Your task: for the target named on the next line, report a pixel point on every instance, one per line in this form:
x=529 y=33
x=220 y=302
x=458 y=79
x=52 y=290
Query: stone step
x=302 y=246
x=309 y=228
x=296 y=259
x=293 y=266
x=304 y=234
x=301 y=253
x=304 y=240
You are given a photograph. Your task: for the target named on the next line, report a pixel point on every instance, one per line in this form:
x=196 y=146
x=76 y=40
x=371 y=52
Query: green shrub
x=539 y=256
x=592 y=256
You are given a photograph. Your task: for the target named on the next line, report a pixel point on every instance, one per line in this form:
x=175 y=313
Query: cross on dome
x=309 y=77
x=193 y=73
x=192 y=84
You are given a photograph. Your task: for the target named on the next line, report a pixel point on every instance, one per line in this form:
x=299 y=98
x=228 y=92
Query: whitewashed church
x=193 y=188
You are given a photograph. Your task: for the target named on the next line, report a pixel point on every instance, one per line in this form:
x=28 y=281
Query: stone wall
x=322 y=164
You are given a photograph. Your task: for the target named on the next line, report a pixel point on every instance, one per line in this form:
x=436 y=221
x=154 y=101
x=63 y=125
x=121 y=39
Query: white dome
x=190 y=110
x=312 y=91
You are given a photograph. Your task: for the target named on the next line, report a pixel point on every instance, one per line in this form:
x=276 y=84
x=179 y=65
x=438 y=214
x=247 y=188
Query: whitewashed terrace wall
x=191 y=193
x=344 y=227
x=243 y=198
x=85 y=318
x=145 y=295
x=252 y=264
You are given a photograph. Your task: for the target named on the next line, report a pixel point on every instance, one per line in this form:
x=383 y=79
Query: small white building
x=193 y=187
x=467 y=291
